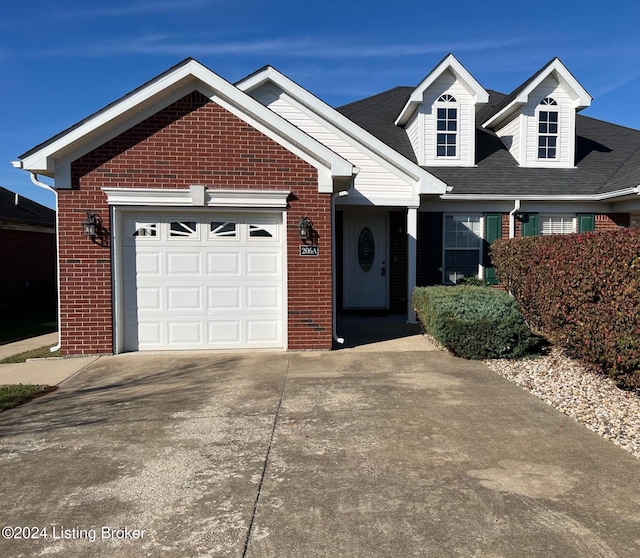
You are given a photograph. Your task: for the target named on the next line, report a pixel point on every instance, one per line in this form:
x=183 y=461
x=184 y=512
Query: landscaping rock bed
x=591 y=399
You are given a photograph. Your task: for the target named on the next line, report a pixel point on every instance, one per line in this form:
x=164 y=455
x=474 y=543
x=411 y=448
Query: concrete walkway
x=342 y=453
x=50 y=371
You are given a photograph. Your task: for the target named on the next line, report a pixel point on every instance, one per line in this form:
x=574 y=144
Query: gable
x=53 y=158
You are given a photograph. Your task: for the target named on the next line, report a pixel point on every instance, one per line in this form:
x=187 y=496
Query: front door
x=366 y=268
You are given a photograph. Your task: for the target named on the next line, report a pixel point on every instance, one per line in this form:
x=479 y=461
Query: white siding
x=566 y=132
x=510 y=135
x=447 y=83
x=376 y=181
x=413 y=131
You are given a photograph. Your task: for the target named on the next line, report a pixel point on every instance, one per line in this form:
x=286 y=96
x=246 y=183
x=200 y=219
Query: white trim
x=480 y=96
x=246 y=199
x=412 y=251
x=582 y=98
x=189 y=76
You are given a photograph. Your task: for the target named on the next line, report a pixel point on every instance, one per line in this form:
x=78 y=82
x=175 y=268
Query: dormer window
x=548 y=129
x=446 y=126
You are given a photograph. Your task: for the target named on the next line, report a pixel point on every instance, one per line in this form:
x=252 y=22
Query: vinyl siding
x=510 y=136
x=565 y=156
x=375 y=182
x=447 y=83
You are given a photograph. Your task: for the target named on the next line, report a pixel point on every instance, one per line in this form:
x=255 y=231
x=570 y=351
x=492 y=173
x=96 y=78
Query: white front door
x=366 y=269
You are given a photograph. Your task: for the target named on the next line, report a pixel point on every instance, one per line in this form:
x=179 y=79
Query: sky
x=61 y=61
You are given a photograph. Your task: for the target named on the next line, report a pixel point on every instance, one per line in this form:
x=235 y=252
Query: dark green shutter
x=586 y=222
x=433 y=256
x=492 y=231
x=529 y=224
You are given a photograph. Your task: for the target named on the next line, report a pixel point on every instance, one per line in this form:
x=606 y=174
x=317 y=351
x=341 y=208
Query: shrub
x=474 y=322
x=582 y=292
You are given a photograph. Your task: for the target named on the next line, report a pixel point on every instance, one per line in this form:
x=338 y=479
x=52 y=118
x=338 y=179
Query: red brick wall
x=193 y=141
x=612 y=221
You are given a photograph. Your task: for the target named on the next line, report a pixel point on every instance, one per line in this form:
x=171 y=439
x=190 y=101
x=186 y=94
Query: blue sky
x=62 y=60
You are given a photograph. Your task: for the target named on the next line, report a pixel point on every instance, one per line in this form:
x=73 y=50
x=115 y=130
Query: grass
x=42 y=352
x=27 y=325
x=12 y=396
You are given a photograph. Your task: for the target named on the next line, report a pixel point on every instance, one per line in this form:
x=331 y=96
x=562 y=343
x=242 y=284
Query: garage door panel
x=263 y=331
x=263 y=264
x=184 y=298
x=150 y=334
x=225 y=333
x=263 y=298
x=148 y=263
x=183 y=263
x=223 y=263
x=224 y=298
x=190 y=286
x=184 y=332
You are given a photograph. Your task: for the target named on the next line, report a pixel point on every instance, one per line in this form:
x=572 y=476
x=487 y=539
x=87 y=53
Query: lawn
x=27 y=325
x=12 y=396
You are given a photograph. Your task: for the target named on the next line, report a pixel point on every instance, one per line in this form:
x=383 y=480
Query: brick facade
x=193 y=141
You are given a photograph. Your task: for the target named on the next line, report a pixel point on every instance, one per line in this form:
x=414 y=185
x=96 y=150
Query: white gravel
x=592 y=399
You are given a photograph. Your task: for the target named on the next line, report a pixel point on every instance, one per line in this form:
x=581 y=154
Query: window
x=223 y=229
x=183 y=229
x=145 y=229
x=557 y=224
x=447 y=127
x=547 y=130
x=462 y=246
x=265 y=229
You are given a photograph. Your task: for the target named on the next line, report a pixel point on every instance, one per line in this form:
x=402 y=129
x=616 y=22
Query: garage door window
x=223 y=229
x=183 y=229
x=145 y=229
x=262 y=230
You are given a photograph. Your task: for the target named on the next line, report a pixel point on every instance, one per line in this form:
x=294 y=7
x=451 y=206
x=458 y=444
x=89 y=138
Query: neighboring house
x=202 y=186
x=27 y=254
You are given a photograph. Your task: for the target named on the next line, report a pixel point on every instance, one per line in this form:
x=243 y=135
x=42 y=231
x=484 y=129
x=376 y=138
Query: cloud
x=326 y=48
x=133 y=8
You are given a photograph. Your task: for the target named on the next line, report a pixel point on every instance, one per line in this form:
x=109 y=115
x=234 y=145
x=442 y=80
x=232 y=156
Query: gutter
x=505 y=197
x=512 y=219
x=34 y=179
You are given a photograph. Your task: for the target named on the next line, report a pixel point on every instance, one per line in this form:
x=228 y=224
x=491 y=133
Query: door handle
x=383 y=271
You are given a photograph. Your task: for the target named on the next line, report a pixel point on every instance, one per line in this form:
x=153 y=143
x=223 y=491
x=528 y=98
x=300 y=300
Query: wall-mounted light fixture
x=305 y=229
x=90 y=225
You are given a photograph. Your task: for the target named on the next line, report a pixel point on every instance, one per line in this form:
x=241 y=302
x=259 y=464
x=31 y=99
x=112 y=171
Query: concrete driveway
x=344 y=453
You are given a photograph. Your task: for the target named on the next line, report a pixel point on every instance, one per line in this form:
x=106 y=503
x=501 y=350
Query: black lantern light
x=305 y=228
x=90 y=225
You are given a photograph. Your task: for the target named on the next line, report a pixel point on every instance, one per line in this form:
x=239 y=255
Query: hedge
x=474 y=322
x=582 y=291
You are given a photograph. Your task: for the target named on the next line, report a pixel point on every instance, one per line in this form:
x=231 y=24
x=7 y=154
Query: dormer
x=537 y=122
x=440 y=116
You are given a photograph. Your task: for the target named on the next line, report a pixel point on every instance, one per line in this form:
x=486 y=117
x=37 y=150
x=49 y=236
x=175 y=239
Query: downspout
x=339 y=340
x=34 y=179
x=512 y=219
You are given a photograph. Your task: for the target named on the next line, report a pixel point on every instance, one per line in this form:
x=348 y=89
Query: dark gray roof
x=27 y=212
x=607 y=155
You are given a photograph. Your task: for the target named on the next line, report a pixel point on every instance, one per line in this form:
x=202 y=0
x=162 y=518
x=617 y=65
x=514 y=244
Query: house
x=27 y=253
x=195 y=213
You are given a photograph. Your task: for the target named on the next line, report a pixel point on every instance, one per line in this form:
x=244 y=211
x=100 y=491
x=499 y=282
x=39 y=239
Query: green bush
x=582 y=292
x=474 y=322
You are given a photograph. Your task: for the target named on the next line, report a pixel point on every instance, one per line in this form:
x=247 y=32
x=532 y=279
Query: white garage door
x=203 y=280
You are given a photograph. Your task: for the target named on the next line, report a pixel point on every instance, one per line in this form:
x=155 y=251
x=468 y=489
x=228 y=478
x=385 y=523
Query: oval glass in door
x=366 y=249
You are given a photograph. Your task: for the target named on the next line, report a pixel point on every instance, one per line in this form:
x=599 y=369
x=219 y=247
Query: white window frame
x=446 y=102
x=548 y=105
x=568 y=224
x=445 y=249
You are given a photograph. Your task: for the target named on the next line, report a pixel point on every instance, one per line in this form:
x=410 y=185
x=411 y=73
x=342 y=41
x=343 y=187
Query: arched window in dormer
x=446 y=126
x=548 y=129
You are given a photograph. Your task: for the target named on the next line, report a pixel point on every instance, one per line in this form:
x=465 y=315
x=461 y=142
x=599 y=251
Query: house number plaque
x=309 y=251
